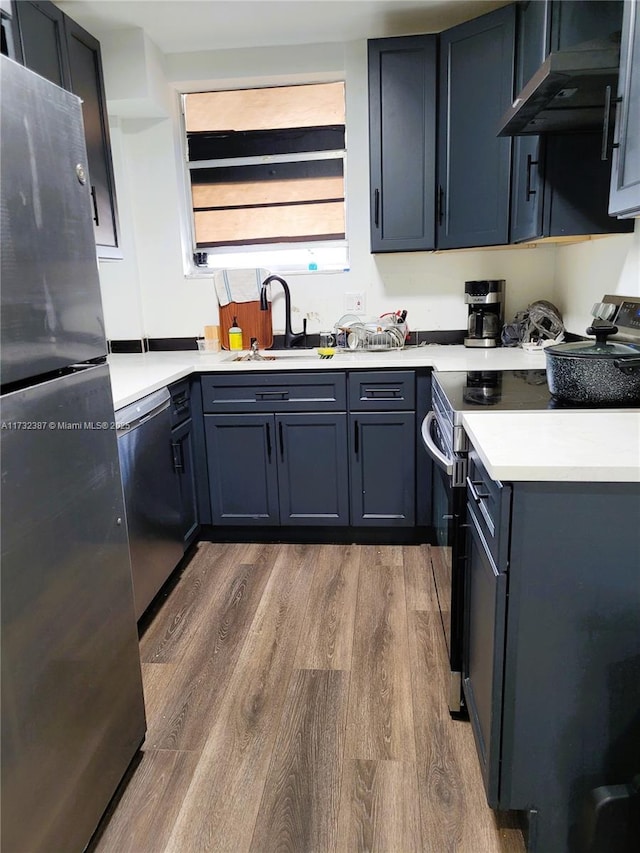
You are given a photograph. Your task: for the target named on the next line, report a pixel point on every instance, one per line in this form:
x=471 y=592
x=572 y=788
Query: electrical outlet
x=354 y=302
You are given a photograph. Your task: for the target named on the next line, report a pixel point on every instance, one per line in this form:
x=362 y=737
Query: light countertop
x=133 y=376
x=588 y=446
x=600 y=445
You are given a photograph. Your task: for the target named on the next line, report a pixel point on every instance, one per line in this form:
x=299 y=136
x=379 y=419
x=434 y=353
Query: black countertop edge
x=417 y=337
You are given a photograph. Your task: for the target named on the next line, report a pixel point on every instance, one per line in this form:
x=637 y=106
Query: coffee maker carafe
x=486 y=312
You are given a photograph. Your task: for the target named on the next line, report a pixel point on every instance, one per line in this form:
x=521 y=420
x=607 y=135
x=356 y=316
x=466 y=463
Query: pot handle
x=627 y=365
x=602 y=329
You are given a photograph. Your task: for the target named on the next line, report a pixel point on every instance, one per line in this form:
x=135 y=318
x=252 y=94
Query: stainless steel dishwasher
x=151 y=494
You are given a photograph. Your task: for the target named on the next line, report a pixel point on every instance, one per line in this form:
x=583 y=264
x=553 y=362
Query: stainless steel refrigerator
x=72 y=704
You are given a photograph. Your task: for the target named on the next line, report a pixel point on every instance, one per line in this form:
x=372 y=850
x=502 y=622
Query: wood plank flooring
x=296 y=704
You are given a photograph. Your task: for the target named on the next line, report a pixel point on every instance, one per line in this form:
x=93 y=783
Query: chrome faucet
x=253 y=354
x=291 y=339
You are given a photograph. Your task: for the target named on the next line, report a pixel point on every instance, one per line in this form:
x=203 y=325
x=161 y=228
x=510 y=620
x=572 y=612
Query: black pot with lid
x=594 y=372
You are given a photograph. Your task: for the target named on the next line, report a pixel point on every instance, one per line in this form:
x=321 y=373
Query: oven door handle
x=432 y=448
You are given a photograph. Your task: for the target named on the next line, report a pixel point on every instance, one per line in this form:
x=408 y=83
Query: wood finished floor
x=295 y=702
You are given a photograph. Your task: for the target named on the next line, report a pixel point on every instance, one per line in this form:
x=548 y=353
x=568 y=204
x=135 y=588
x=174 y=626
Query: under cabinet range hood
x=571 y=91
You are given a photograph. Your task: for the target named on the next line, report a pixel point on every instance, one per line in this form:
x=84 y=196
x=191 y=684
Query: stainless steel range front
x=446 y=443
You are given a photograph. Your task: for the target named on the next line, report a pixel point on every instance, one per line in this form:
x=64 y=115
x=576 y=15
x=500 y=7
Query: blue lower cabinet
x=243 y=480
x=551 y=657
x=278 y=469
x=313 y=480
x=484 y=653
x=383 y=468
x=298 y=450
x=182 y=447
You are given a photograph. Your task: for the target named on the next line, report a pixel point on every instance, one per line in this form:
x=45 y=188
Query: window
x=267 y=177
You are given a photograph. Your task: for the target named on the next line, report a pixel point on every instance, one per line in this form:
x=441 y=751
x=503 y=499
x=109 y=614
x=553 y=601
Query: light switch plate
x=354 y=302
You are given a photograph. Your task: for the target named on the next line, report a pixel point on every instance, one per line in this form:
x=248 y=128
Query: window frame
x=312 y=249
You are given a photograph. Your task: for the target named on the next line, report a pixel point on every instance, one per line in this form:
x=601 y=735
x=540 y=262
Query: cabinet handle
x=376 y=208
x=95 y=206
x=529 y=192
x=281 y=437
x=178 y=459
x=268 y=426
x=605 y=123
x=356 y=437
x=475 y=493
x=440 y=204
x=267 y=395
x=381 y=393
x=608 y=100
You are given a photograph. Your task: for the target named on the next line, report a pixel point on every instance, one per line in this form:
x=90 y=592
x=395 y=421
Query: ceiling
x=181 y=26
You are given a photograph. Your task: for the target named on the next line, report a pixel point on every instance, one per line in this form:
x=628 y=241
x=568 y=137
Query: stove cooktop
x=501 y=390
x=527 y=390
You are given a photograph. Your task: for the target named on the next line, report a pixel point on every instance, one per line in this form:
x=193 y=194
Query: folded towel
x=238 y=285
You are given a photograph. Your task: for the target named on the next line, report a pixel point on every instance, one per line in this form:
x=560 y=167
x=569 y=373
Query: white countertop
x=588 y=446
x=134 y=376
x=574 y=445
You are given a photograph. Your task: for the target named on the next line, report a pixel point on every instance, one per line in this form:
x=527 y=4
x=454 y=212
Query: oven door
x=447 y=563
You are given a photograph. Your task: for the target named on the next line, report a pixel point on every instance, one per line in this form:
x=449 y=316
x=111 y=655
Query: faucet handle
x=254 y=344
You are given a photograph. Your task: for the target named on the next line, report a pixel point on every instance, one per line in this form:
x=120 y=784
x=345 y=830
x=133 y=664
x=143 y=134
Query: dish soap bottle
x=235 y=336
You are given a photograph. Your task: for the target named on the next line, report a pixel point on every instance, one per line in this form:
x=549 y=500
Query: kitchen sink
x=280 y=355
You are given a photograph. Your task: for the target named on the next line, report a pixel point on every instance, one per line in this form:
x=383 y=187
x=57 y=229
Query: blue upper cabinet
x=476 y=86
x=57 y=48
x=625 y=173
x=42 y=41
x=560 y=181
x=532 y=46
x=493 y=190
x=410 y=137
x=402 y=143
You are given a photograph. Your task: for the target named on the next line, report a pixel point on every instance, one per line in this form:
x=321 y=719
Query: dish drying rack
x=383 y=333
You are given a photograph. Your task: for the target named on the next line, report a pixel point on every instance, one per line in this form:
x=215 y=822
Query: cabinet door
x=577 y=182
x=313 y=480
x=560 y=184
x=86 y=81
x=483 y=665
x=574 y=21
x=383 y=472
x=533 y=31
x=44 y=50
x=10 y=46
x=476 y=86
x=184 y=466
x=624 y=199
x=402 y=140
x=242 y=469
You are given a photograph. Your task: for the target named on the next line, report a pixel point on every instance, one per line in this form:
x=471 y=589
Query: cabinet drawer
x=275 y=392
x=490 y=502
x=382 y=390
x=180 y=408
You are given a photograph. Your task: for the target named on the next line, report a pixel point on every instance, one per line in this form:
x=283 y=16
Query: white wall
x=148 y=291
x=119 y=280
x=587 y=271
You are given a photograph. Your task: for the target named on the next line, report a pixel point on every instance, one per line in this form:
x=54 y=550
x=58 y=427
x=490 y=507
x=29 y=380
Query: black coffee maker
x=486 y=312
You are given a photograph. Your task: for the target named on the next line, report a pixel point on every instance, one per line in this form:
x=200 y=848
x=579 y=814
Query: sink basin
x=280 y=355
